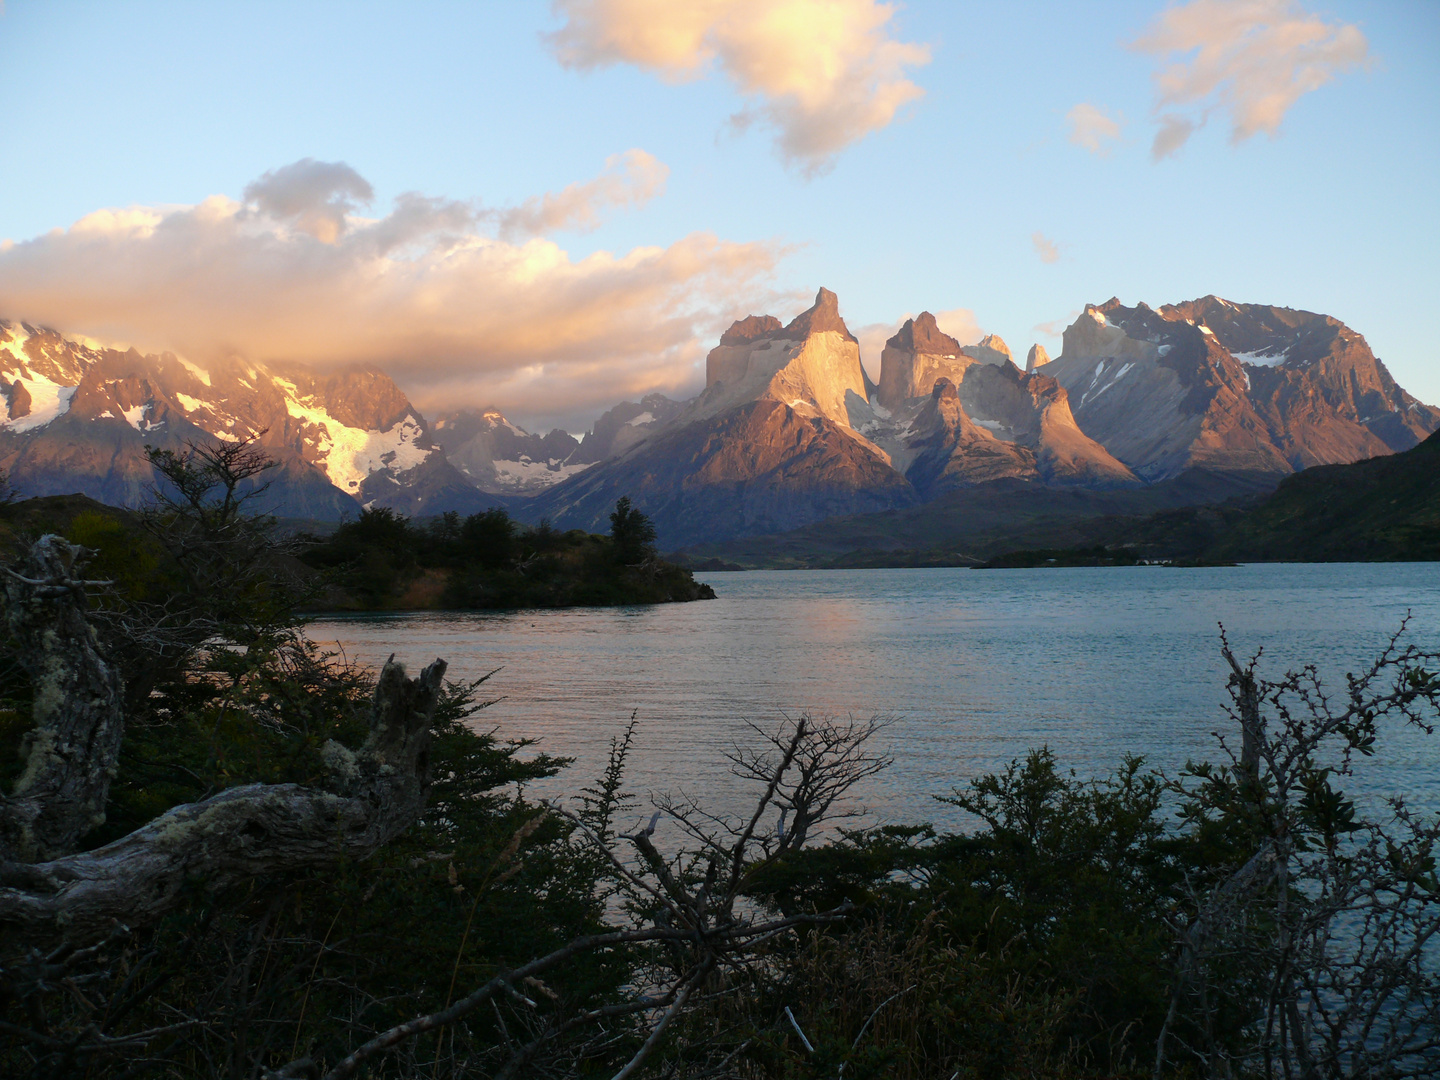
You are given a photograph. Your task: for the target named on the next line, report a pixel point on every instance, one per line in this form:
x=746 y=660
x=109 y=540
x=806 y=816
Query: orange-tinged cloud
x=1092 y=128
x=630 y=179
x=1046 y=248
x=456 y=316
x=1249 y=59
x=823 y=73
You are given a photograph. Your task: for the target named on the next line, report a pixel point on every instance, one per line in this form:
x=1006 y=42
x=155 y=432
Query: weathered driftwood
x=47 y=889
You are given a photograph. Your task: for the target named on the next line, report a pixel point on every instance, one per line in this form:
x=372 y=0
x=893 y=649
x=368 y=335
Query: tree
x=631 y=532
x=1308 y=939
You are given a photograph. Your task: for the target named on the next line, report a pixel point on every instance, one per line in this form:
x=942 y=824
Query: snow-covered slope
x=78 y=418
x=500 y=458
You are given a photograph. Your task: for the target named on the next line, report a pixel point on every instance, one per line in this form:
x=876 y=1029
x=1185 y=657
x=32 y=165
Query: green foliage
x=631 y=532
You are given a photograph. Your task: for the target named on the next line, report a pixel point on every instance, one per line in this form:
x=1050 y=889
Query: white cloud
x=1249 y=59
x=960 y=324
x=1046 y=249
x=1092 y=129
x=455 y=315
x=823 y=73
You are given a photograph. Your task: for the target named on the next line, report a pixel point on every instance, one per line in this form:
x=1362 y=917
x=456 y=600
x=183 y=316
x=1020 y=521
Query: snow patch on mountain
x=348 y=455
x=1262 y=359
x=48 y=401
x=199 y=372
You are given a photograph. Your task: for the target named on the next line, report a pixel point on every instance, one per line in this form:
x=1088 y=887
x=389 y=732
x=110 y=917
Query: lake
x=975 y=667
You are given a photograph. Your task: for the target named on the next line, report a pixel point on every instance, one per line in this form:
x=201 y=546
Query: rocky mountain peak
x=914 y=358
x=1225 y=385
x=750 y=328
x=923 y=335
x=1036 y=357
x=991 y=350
x=823 y=315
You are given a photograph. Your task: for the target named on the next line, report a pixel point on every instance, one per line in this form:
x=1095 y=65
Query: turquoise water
x=975 y=667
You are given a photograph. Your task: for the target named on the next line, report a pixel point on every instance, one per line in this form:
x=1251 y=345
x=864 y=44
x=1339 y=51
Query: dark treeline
x=256 y=900
x=488 y=560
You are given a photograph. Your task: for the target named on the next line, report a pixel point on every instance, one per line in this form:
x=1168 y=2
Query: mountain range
x=790 y=430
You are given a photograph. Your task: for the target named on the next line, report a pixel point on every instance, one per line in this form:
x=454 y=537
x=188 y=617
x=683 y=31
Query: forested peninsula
x=383 y=561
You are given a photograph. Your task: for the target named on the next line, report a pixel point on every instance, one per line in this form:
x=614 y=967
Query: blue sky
x=161 y=106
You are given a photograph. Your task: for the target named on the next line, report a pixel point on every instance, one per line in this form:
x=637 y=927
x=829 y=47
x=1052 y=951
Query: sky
x=553 y=207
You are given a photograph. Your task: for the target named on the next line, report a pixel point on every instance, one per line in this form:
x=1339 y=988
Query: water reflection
x=976 y=666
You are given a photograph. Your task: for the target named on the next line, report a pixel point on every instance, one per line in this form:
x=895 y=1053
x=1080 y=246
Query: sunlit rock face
x=1232 y=387
x=917 y=357
x=948 y=450
x=809 y=365
x=1036 y=357
x=768 y=445
x=79 y=417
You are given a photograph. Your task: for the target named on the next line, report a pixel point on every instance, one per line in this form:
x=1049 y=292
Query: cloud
x=823 y=73
x=1092 y=129
x=1249 y=59
x=1046 y=249
x=314 y=196
x=960 y=324
x=630 y=179
x=455 y=315
x=1055 y=327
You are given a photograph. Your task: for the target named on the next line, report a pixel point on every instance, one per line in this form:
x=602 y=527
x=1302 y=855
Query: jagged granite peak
x=768 y=445
x=1036 y=357
x=1239 y=387
x=1012 y=409
x=79 y=417
x=750 y=328
x=502 y=459
x=914 y=358
x=991 y=349
x=812 y=364
x=922 y=334
x=822 y=316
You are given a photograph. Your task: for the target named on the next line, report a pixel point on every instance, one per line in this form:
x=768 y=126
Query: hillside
x=1381 y=510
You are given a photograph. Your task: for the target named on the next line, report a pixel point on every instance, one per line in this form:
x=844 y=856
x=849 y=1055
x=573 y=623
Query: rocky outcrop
x=1036 y=357
x=1237 y=387
x=1033 y=411
x=950 y=451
